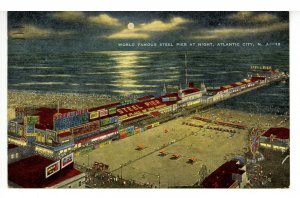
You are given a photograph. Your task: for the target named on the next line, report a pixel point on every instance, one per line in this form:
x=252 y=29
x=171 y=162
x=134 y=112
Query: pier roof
x=149 y=97
x=257 y=78
x=140 y=106
x=190 y=91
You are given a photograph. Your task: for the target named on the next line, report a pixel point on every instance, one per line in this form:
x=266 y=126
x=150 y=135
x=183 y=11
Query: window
x=79 y=183
x=66 y=150
x=17 y=155
x=69 y=186
x=12 y=156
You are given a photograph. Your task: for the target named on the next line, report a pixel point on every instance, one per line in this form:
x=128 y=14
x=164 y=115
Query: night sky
x=102 y=31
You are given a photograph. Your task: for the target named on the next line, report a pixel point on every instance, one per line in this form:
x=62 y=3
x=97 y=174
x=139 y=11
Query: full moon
x=130 y=26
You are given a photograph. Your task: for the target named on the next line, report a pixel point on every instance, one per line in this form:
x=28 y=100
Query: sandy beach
x=211 y=148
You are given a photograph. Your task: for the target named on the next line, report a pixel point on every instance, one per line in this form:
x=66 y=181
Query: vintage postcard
x=148 y=100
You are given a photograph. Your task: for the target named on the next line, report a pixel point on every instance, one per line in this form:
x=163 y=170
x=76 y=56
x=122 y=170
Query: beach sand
x=211 y=148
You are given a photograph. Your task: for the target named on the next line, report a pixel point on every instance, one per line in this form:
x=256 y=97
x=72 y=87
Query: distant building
x=276 y=139
x=39 y=172
x=231 y=174
x=190 y=96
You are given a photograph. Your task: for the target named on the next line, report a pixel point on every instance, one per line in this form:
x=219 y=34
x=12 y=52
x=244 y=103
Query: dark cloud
x=102 y=30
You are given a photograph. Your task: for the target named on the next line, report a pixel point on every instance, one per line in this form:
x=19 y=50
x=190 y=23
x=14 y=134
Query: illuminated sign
x=113 y=119
x=31 y=134
x=33 y=119
x=68 y=159
x=103 y=112
x=70 y=119
x=30 y=128
x=112 y=110
x=53 y=168
x=94 y=114
x=86 y=128
x=139 y=107
x=105 y=122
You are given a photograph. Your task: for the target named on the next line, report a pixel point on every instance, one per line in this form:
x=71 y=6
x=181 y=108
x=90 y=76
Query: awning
x=155 y=113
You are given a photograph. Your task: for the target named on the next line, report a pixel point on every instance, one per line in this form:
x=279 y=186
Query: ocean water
x=139 y=73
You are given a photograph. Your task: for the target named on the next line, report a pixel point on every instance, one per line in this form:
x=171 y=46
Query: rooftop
x=65 y=134
x=149 y=97
x=46 y=117
x=279 y=133
x=139 y=106
x=30 y=173
x=257 y=78
x=190 y=91
x=11 y=146
x=222 y=176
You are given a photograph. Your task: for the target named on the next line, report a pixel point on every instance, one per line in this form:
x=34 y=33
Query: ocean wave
x=159 y=80
x=196 y=75
x=38 y=83
x=52 y=75
x=224 y=72
x=32 y=67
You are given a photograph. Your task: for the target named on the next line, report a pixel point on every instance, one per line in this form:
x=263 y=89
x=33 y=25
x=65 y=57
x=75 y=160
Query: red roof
x=280 y=133
x=155 y=113
x=105 y=106
x=190 y=91
x=217 y=90
x=65 y=134
x=150 y=97
x=257 y=78
x=46 y=116
x=222 y=176
x=30 y=173
x=234 y=85
x=139 y=106
x=11 y=146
